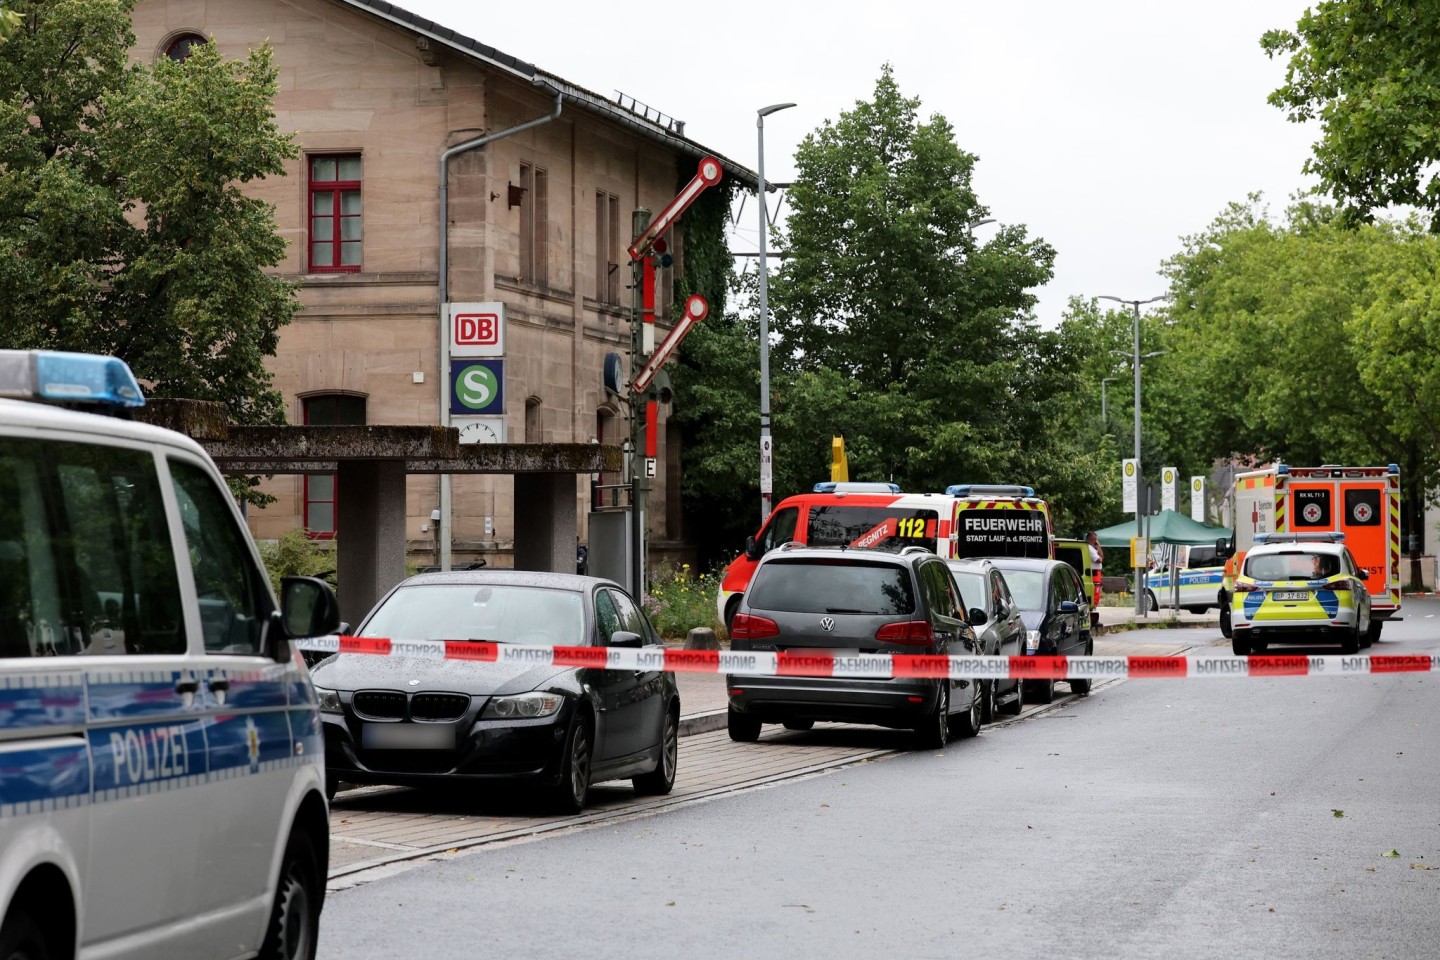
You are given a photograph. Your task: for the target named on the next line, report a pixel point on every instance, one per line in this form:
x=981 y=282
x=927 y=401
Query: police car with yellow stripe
x=162 y=781
x=1297 y=588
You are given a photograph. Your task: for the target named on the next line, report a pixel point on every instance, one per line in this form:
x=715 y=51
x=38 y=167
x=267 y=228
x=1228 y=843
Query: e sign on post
x=1167 y=488
x=1129 y=485
x=1197 y=499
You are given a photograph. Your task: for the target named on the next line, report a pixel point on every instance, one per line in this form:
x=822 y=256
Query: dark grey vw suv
x=844 y=601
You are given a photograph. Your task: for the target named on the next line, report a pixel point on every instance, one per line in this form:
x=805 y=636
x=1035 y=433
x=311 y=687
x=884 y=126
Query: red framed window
x=330 y=409
x=335 y=222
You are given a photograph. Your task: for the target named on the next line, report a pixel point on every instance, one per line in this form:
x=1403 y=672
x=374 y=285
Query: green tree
x=123 y=228
x=1303 y=341
x=1365 y=70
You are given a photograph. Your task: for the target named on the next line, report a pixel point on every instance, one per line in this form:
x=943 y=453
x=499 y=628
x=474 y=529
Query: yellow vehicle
x=1294 y=589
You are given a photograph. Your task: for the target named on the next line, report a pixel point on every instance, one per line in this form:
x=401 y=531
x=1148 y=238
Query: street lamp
x=1139 y=474
x=1104 y=418
x=766 y=483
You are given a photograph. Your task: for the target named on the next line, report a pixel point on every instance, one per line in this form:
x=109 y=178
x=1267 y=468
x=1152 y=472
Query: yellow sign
x=839 y=465
x=1139 y=552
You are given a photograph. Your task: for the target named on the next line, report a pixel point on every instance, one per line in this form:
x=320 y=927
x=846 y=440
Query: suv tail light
x=746 y=627
x=911 y=632
x=1243 y=587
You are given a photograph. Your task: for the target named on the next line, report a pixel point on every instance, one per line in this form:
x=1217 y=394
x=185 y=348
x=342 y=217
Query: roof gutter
x=443 y=289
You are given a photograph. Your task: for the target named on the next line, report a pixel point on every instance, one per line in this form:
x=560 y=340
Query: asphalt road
x=1217 y=818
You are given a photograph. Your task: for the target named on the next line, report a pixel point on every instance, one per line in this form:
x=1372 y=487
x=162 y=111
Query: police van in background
x=1185 y=577
x=162 y=780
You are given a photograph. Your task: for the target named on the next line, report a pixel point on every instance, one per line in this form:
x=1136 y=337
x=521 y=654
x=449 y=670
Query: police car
x=1295 y=588
x=162 y=781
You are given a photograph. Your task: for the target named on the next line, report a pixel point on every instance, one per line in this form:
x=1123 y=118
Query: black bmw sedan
x=400 y=720
x=1055 y=606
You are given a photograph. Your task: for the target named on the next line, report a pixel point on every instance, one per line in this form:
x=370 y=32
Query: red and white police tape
x=875 y=665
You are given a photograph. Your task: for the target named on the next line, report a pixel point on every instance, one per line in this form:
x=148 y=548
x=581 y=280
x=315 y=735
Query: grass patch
x=681 y=600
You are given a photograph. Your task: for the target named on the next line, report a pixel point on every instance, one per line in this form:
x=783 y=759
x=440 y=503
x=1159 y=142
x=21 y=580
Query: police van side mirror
x=1224 y=549
x=308 y=607
x=752 y=549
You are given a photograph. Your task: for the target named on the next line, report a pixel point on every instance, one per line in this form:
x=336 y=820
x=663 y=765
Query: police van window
x=234 y=606
x=85 y=561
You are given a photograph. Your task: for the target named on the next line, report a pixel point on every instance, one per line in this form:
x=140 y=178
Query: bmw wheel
x=934 y=731
x=661 y=780
x=574 y=787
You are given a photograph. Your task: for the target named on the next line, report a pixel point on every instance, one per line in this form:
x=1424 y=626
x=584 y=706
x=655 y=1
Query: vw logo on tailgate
x=827 y=624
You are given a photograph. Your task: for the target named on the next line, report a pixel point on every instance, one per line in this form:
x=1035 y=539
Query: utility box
x=610 y=545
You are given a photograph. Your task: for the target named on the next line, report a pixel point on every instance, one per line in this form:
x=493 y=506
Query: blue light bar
x=1282 y=469
x=1393 y=468
x=78 y=378
x=988 y=490
x=1326 y=536
x=840 y=486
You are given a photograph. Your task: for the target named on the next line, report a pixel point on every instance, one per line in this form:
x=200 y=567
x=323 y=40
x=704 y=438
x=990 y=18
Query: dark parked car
x=835 y=601
x=1055 y=606
x=998 y=626
x=413 y=721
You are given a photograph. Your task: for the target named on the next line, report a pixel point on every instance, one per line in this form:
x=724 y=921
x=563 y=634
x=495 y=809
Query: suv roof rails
x=915 y=548
x=791 y=545
x=69 y=379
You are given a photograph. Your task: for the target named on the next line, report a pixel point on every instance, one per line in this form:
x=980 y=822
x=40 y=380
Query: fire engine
x=1362 y=503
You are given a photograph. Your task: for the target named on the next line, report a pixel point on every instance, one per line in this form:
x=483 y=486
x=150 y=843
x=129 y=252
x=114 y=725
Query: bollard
x=701 y=638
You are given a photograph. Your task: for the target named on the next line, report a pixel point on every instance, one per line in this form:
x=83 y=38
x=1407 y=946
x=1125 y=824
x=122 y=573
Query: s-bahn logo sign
x=477 y=386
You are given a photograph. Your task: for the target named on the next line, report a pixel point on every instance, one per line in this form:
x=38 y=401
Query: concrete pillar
x=545 y=526
x=370 y=538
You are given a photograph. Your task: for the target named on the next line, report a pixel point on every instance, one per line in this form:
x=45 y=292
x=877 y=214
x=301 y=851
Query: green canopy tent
x=1167 y=526
x=1172 y=529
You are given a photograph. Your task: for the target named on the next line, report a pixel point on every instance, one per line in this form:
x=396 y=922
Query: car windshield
x=1292 y=566
x=972 y=588
x=832 y=586
x=499 y=613
x=1027 y=587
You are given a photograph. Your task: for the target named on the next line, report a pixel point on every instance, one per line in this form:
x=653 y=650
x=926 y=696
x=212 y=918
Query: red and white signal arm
x=477 y=329
x=697 y=308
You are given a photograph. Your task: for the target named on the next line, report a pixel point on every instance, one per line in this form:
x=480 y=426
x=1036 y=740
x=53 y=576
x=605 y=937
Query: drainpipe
x=443 y=293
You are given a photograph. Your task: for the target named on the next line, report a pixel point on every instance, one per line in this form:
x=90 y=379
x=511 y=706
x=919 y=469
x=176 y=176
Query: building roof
x=660 y=129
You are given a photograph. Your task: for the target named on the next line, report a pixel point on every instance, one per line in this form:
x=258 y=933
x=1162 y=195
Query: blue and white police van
x=162 y=782
x=1187 y=577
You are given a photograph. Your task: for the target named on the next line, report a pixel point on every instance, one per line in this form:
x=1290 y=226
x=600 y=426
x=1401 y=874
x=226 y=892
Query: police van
x=1185 y=577
x=162 y=781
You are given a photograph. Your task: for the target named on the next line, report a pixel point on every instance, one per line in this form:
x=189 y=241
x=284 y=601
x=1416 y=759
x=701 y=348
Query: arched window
x=182 y=45
x=321 y=495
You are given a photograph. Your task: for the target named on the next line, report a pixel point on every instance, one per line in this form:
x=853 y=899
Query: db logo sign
x=477 y=329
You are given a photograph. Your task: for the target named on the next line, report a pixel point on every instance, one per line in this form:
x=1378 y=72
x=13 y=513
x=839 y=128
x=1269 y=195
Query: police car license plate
x=408 y=736
x=1292 y=595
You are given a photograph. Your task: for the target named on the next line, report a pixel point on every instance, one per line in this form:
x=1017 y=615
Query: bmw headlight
x=524 y=706
x=1032 y=641
x=329 y=700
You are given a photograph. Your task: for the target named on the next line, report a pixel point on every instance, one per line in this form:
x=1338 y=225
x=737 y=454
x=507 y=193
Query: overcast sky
x=1111 y=128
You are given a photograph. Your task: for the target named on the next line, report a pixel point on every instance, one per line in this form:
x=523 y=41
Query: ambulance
x=967 y=520
x=1362 y=503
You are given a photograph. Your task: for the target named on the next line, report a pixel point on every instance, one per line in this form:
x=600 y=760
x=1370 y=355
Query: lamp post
x=1140 y=501
x=766 y=483
x=1104 y=417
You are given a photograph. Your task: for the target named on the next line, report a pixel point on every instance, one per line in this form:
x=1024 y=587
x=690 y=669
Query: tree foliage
x=1302 y=341
x=123 y=228
x=1369 y=71
x=896 y=328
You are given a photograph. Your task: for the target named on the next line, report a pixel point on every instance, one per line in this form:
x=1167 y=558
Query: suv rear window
x=833 y=586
